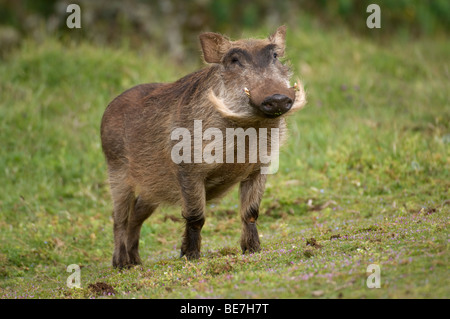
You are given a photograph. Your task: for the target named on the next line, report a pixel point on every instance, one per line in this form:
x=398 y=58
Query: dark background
x=172 y=26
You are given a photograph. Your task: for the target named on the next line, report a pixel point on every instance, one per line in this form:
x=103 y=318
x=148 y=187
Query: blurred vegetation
x=172 y=26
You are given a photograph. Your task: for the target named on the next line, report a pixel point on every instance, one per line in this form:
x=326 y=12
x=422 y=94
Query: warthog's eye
x=236 y=57
x=275 y=55
x=235 y=60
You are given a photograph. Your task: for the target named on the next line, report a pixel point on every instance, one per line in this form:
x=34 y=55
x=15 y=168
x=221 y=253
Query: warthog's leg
x=124 y=199
x=251 y=191
x=141 y=212
x=193 y=202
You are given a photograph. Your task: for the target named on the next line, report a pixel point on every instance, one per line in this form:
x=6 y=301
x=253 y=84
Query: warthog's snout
x=276 y=105
x=272 y=99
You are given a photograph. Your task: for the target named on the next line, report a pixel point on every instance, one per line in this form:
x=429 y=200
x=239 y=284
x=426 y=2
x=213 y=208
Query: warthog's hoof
x=124 y=262
x=191 y=255
x=250 y=239
x=253 y=248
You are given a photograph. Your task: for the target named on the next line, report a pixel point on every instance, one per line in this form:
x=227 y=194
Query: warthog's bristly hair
x=246 y=87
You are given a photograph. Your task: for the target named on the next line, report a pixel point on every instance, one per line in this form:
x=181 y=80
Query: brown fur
x=136 y=129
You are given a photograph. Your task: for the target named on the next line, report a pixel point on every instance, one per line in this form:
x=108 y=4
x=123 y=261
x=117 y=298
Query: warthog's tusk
x=247 y=92
x=226 y=111
x=300 y=97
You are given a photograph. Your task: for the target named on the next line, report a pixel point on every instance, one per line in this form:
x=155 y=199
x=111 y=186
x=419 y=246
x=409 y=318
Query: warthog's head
x=254 y=82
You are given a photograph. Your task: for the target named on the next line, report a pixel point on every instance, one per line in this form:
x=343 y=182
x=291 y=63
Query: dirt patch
x=102 y=289
x=313 y=243
x=428 y=210
x=308 y=253
x=424 y=210
x=217 y=268
x=371 y=228
x=337 y=236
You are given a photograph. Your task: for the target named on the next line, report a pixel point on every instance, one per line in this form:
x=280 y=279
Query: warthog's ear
x=279 y=39
x=214 y=46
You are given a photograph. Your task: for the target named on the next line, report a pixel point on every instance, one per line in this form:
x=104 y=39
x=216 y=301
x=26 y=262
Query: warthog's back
x=135 y=130
x=114 y=119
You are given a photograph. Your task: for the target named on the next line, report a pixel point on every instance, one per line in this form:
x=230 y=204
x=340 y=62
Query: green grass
x=365 y=173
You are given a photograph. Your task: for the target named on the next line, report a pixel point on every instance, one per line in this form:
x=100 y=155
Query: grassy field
x=364 y=179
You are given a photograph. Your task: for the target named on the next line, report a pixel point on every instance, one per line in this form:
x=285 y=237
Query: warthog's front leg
x=193 y=201
x=251 y=191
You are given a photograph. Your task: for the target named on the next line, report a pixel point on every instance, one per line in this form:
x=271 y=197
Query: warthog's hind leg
x=142 y=210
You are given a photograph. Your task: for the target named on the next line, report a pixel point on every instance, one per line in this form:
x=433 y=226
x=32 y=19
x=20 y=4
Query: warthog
x=245 y=86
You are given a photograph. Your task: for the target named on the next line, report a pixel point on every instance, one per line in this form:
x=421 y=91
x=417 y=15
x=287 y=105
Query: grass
x=364 y=179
